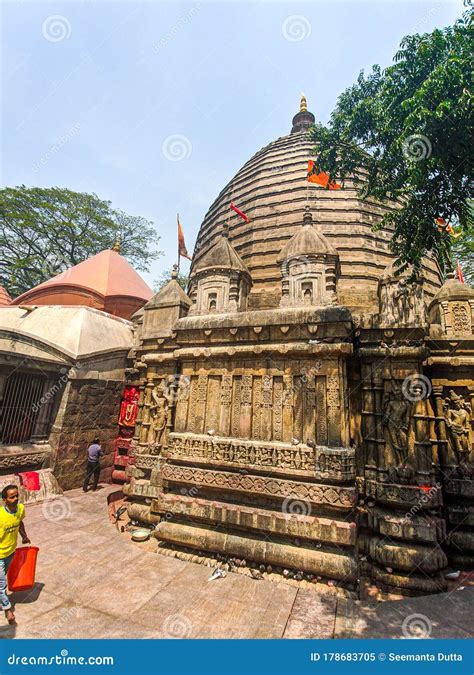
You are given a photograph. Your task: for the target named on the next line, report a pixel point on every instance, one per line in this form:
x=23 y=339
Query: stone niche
x=451 y=311
x=309 y=266
x=401 y=300
x=220 y=282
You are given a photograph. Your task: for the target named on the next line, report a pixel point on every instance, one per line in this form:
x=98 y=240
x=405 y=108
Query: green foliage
x=44 y=231
x=463 y=250
x=165 y=276
x=403 y=134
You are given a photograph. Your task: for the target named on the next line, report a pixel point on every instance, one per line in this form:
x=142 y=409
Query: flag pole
x=179 y=256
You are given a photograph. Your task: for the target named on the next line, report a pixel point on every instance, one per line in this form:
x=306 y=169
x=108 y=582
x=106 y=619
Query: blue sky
x=155 y=105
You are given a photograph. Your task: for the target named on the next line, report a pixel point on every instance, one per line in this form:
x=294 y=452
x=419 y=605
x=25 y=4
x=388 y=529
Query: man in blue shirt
x=94 y=453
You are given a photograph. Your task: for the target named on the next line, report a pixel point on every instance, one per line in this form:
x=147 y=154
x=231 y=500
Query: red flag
x=239 y=212
x=459 y=274
x=182 y=250
x=320 y=177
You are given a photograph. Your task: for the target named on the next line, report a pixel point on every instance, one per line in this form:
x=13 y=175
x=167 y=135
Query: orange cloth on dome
x=320 y=177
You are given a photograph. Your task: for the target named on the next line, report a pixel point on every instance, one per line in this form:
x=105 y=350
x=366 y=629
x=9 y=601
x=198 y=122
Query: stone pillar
x=146 y=411
x=369 y=423
x=378 y=414
x=443 y=459
x=422 y=444
x=138 y=422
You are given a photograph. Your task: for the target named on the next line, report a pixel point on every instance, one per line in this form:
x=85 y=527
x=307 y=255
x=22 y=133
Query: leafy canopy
x=44 y=231
x=403 y=134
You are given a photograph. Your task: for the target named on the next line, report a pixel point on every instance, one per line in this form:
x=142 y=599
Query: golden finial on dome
x=116 y=246
x=303 y=103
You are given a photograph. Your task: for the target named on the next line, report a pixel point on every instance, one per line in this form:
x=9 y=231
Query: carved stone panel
x=334 y=410
x=321 y=412
x=330 y=495
x=225 y=404
x=278 y=410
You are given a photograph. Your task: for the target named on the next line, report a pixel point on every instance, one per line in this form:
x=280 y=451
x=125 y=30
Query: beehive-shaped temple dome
x=273 y=191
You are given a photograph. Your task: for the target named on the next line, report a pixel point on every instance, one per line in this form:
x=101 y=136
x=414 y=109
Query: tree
x=463 y=250
x=44 y=231
x=165 y=276
x=403 y=134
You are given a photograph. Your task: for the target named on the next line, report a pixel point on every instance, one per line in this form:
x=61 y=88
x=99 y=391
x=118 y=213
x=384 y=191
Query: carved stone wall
x=299 y=400
x=303 y=437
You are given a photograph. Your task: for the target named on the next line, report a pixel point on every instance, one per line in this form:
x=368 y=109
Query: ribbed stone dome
x=273 y=191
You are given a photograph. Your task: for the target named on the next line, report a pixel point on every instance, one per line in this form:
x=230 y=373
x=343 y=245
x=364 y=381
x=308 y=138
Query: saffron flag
x=239 y=212
x=182 y=250
x=320 y=177
x=459 y=274
x=443 y=225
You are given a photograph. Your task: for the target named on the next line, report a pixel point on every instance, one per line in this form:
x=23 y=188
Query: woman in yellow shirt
x=11 y=521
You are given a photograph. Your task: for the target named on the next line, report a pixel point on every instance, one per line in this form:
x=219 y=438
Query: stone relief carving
x=242 y=452
x=396 y=420
x=401 y=302
x=457 y=416
x=461 y=317
x=158 y=418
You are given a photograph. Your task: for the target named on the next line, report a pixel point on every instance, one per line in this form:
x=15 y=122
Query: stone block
x=407 y=557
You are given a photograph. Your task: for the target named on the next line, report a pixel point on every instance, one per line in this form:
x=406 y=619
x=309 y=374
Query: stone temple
x=303 y=407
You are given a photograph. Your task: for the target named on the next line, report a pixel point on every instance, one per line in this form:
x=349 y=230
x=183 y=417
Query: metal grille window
x=27 y=407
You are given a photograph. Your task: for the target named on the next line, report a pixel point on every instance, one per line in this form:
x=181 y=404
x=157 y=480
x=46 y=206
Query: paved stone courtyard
x=93 y=583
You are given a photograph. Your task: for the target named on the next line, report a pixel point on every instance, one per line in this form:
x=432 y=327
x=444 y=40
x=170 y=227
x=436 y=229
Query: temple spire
x=117 y=245
x=304 y=119
x=303 y=103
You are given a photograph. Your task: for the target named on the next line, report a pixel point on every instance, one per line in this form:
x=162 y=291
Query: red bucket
x=21 y=573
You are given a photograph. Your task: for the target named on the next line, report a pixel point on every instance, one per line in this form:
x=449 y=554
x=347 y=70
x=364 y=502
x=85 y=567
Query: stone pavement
x=94 y=583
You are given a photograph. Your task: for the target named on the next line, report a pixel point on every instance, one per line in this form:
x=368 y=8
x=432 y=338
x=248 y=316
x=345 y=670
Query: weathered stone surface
x=415 y=528
x=232 y=515
x=407 y=557
x=329 y=564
